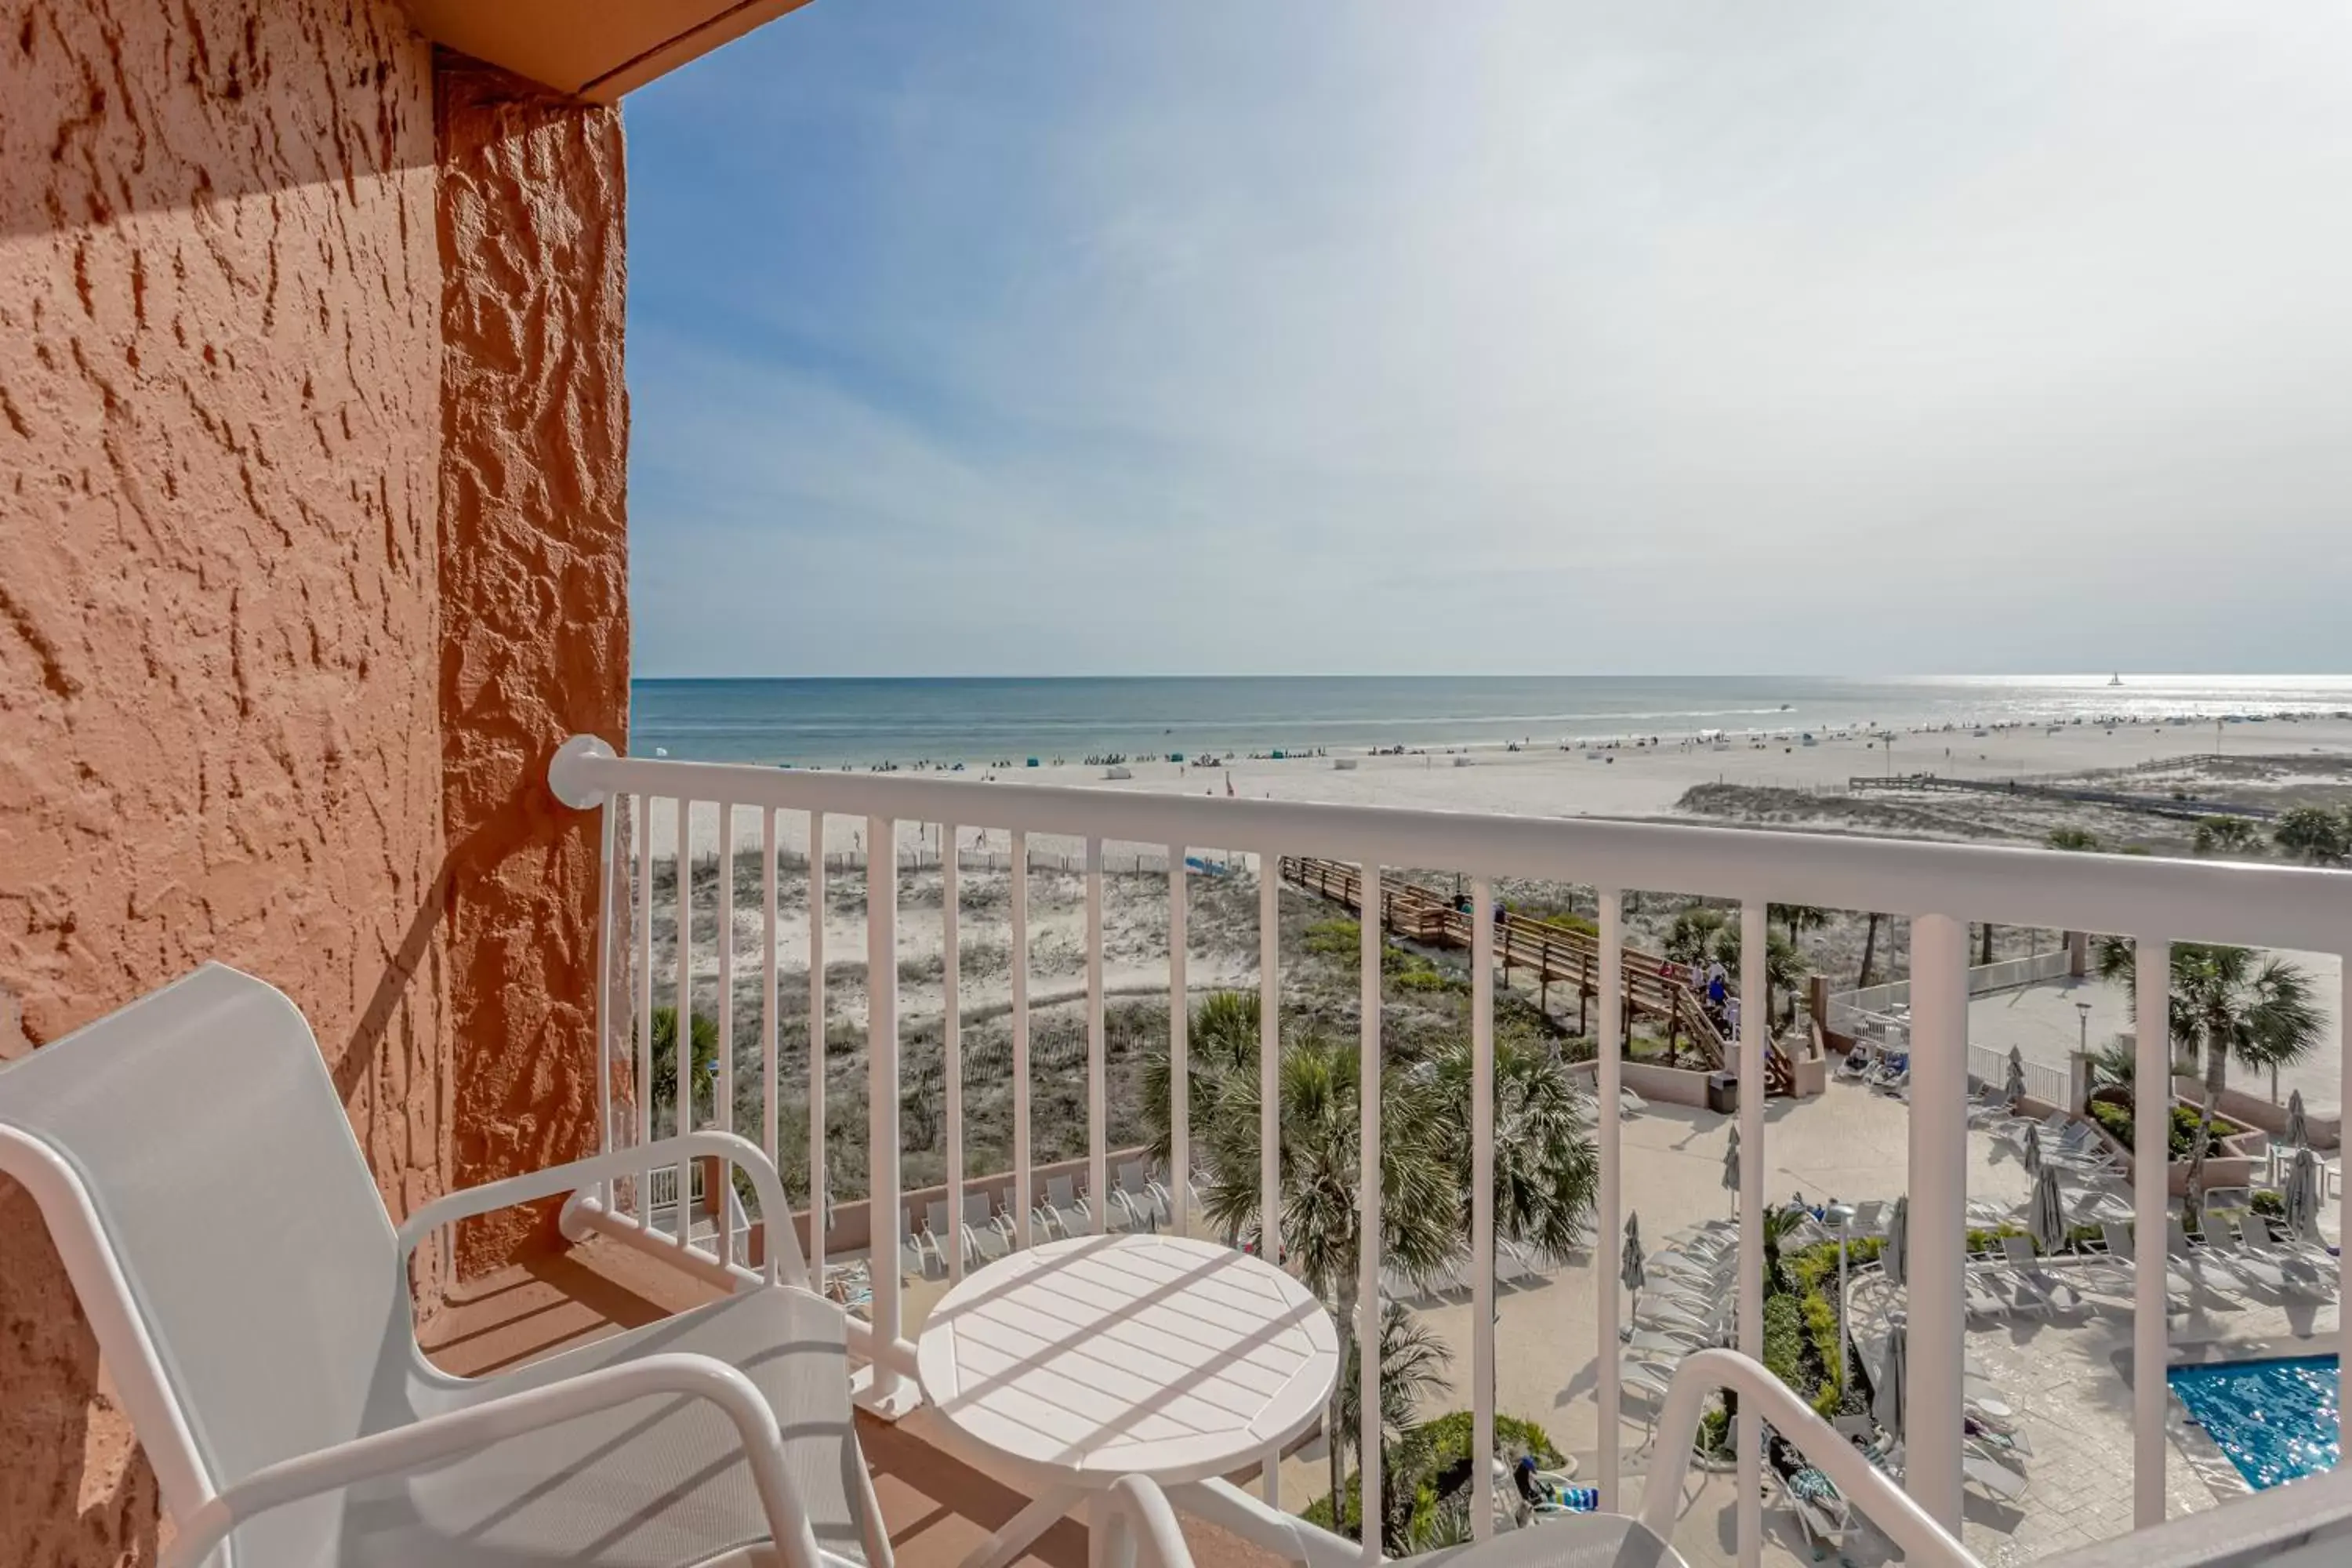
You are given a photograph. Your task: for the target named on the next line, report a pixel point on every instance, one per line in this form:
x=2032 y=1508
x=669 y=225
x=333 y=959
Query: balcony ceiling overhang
x=598 y=50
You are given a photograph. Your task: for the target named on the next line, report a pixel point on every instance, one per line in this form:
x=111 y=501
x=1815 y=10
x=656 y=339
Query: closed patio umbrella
x=2302 y=1196
x=2298 y=1132
x=1731 y=1168
x=1898 y=1241
x=1629 y=1270
x=2015 y=1088
x=2046 y=1217
x=1886 y=1399
x=2033 y=1149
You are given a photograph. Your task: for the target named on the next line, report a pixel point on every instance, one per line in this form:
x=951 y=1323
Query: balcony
x=2071 y=1350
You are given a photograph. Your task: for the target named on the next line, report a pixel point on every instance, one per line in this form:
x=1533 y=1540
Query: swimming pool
x=2274 y=1419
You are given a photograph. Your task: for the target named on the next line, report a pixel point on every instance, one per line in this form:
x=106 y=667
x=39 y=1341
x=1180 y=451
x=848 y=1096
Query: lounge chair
x=989 y=1235
x=2125 y=1251
x=2222 y=1242
x=2025 y=1266
x=1811 y=1499
x=1066 y=1206
x=1138 y=1198
x=2294 y=1267
x=1984 y=1471
x=251 y=1299
x=1629 y=1103
x=1857 y=1063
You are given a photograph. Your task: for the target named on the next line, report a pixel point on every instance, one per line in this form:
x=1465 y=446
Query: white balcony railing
x=1940 y=888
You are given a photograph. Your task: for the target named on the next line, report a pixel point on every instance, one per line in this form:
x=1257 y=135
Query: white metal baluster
x=890 y=1391
x=2151 y=1151
x=819 y=1222
x=1269 y=1090
x=1613 y=1191
x=1024 y=1196
x=682 y=1042
x=1179 y=1058
x=952 y=1027
x=606 y=883
x=1482 y=1208
x=772 y=1224
x=724 y=1108
x=1755 y=1025
x=644 y=913
x=1098 y=1107
x=1367 y=1232
x=1935 y=1253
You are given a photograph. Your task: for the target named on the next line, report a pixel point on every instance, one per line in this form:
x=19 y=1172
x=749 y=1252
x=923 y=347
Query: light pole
x=2082 y=1011
x=1842 y=1213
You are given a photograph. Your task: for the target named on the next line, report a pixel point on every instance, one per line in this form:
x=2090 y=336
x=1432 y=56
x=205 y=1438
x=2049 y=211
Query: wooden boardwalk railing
x=1555 y=955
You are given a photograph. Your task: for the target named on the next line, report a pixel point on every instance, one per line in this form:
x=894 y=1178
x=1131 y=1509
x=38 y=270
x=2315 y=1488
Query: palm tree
x=1546 y=1166
x=1869 y=947
x=1693 y=935
x=2226 y=836
x=703 y=1045
x=1413 y=1362
x=2315 y=835
x=1319 y=1139
x=1784 y=968
x=1800 y=919
x=2229 y=1001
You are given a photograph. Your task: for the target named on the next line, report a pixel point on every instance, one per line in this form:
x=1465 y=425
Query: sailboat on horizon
x=2117 y=678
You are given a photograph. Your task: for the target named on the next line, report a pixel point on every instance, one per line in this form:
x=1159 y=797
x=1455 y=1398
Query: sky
x=1036 y=337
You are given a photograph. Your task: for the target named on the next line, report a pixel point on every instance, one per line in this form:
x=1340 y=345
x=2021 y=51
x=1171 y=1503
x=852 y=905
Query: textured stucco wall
x=296 y=597
x=219 y=491
x=534 y=647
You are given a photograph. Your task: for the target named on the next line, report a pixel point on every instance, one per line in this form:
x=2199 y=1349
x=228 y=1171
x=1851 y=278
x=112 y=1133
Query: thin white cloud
x=1565 y=337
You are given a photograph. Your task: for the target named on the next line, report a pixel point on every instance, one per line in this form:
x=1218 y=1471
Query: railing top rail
x=2271 y=906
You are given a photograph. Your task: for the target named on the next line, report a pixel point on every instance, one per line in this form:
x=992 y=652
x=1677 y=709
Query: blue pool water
x=2275 y=1419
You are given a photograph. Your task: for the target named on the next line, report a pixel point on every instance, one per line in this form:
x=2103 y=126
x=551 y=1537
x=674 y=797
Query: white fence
x=1940 y=888
x=1879 y=1011
x=2045 y=1083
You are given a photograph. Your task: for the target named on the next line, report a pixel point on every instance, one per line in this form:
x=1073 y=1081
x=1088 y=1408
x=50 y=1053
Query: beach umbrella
x=2046 y=1217
x=2298 y=1133
x=2015 y=1089
x=1886 y=1399
x=1731 y=1167
x=2302 y=1196
x=1898 y=1240
x=2033 y=1149
x=1629 y=1270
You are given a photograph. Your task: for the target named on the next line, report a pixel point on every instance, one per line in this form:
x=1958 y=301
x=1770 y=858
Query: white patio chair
x=196 y=1170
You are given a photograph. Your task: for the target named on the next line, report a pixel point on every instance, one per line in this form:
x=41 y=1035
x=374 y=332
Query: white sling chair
x=201 y=1182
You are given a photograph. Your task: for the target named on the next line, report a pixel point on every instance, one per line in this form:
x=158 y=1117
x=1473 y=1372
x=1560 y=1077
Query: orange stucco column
x=534 y=637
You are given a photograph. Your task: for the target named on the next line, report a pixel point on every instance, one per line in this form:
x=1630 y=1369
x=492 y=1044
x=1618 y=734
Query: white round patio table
x=1085 y=1359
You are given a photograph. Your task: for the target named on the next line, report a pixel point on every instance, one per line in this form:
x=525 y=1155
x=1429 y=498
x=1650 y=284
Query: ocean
x=832 y=722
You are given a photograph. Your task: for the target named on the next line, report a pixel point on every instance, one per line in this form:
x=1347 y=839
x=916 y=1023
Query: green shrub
x=2118 y=1119
x=1784 y=1340
x=1714 y=1433
x=2270 y=1203
x=1425 y=976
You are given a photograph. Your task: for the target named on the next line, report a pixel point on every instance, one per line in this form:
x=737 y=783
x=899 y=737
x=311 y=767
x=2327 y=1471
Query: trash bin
x=1722 y=1092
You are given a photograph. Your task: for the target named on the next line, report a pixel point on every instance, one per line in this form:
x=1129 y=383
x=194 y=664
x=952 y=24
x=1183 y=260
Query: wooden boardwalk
x=1553 y=954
